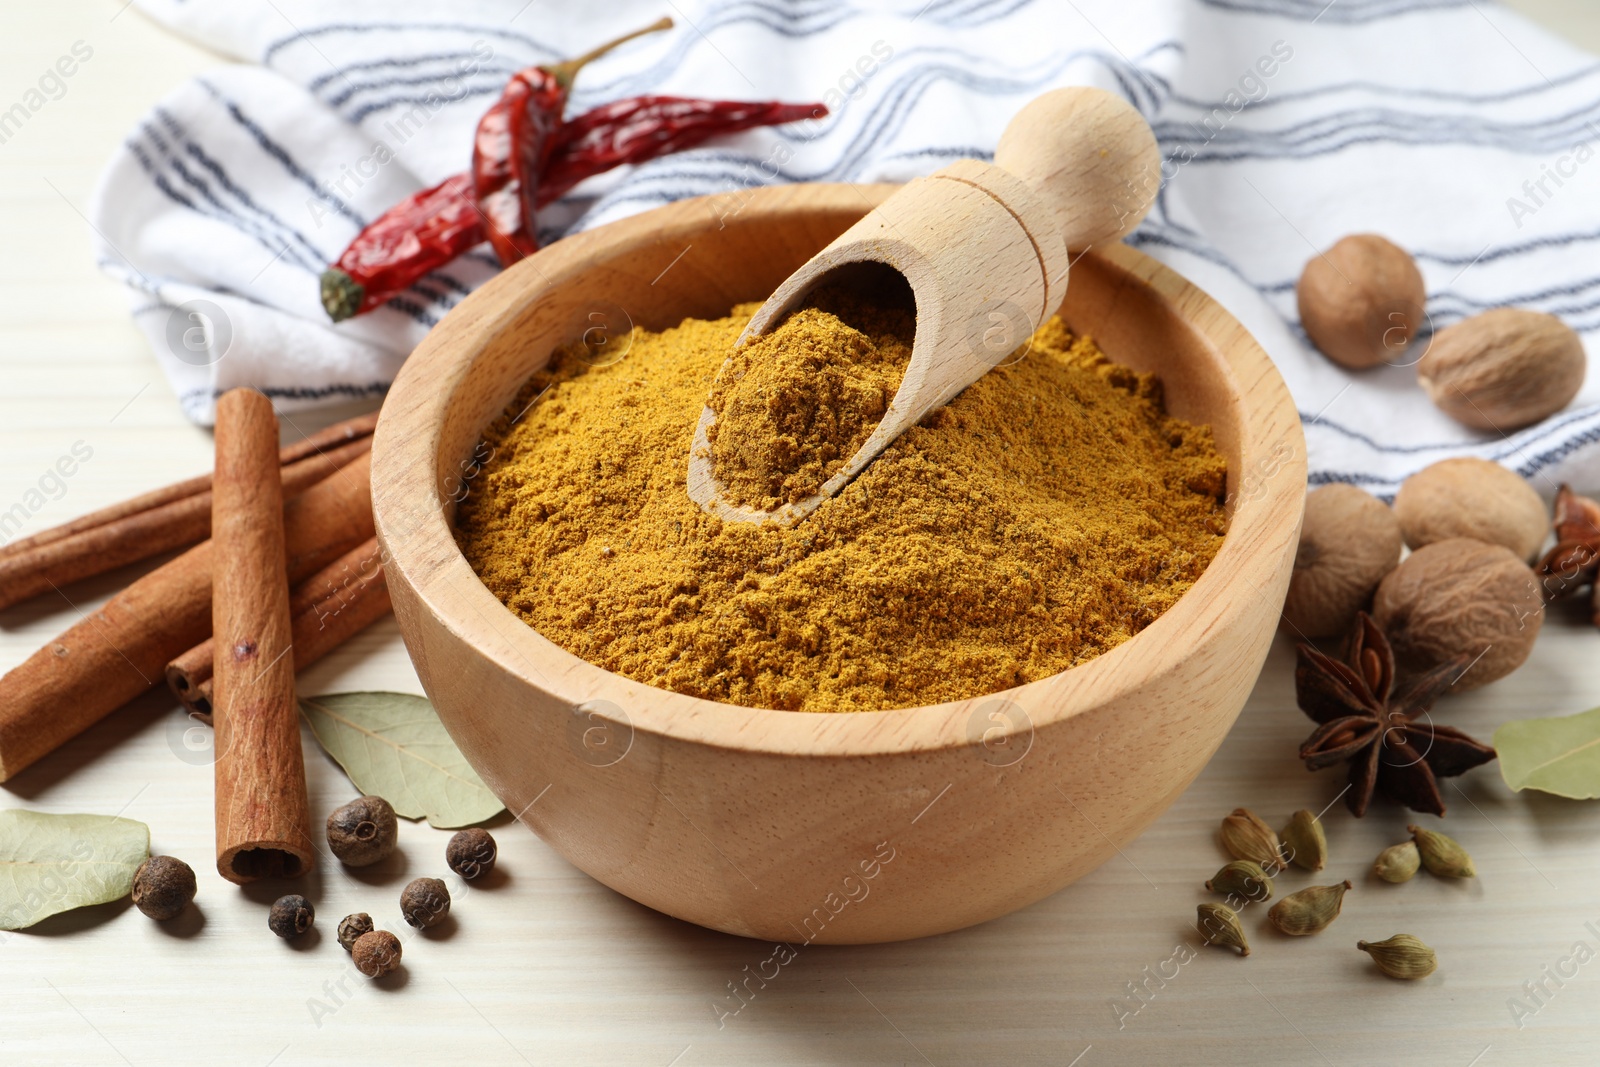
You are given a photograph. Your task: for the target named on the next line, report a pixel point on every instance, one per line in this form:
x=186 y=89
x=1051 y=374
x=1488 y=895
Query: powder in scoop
x=794 y=405
x=1046 y=515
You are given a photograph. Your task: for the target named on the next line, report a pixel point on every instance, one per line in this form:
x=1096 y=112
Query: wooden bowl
x=803 y=827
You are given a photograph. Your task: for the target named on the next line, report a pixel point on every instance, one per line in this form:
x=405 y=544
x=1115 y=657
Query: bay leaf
x=55 y=863
x=1559 y=755
x=393 y=745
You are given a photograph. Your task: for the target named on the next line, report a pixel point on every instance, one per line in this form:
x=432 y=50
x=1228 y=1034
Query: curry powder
x=793 y=406
x=1046 y=515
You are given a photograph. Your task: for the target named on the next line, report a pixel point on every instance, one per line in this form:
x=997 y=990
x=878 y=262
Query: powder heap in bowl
x=1046 y=515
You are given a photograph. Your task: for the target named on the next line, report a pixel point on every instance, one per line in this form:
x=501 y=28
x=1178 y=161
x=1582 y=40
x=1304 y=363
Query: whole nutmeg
x=1348 y=542
x=376 y=953
x=163 y=886
x=1361 y=301
x=1461 y=597
x=425 y=902
x=1504 y=369
x=1472 y=498
x=351 y=927
x=291 y=916
x=363 y=832
x=471 y=853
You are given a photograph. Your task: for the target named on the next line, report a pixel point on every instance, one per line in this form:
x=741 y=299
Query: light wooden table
x=550 y=967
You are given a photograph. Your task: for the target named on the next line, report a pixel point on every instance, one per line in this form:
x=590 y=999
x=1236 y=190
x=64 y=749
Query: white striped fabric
x=1453 y=127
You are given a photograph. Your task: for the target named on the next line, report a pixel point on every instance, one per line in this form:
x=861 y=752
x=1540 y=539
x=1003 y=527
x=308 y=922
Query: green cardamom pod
x=1219 y=925
x=1398 y=863
x=1309 y=910
x=1246 y=837
x=1443 y=856
x=1243 y=879
x=1401 y=956
x=1306 y=844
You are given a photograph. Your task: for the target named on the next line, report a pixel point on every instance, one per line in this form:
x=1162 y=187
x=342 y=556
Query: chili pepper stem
x=567 y=69
x=341 y=294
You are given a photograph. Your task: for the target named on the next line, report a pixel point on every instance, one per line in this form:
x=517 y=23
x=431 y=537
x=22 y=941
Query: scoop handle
x=1091 y=156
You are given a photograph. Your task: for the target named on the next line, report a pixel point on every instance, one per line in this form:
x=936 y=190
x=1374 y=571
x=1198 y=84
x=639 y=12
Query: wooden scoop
x=985 y=248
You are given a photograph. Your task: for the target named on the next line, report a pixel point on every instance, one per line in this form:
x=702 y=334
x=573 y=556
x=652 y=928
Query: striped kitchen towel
x=1453 y=127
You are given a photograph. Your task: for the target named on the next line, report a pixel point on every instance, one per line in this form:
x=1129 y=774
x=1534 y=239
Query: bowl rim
x=421 y=554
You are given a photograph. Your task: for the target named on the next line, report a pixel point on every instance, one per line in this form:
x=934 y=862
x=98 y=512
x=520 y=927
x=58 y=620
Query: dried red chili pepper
x=430 y=228
x=497 y=168
x=433 y=227
x=424 y=231
x=514 y=142
x=646 y=127
x=384 y=259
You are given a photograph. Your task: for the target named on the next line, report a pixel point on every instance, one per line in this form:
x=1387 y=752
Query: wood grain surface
x=545 y=966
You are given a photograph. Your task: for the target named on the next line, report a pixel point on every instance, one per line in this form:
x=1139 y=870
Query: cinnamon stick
x=263 y=813
x=326 y=610
x=119 y=651
x=159 y=521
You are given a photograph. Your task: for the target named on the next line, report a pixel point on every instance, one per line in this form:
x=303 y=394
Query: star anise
x=1574 y=562
x=1392 y=745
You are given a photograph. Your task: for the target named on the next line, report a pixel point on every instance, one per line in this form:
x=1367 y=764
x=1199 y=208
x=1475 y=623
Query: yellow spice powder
x=1046 y=515
x=793 y=406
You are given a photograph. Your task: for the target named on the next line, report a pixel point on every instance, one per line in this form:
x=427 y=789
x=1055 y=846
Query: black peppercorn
x=363 y=832
x=471 y=853
x=425 y=902
x=163 y=886
x=376 y=953
x=291 y=916
x=351 y=927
